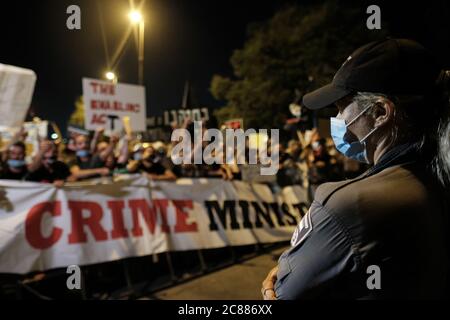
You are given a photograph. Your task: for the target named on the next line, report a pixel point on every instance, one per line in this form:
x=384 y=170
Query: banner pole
x=83 y=285
x=257 y=248
x=171 y=268
x=203 y=266
x=233 y=254
x=128 y=278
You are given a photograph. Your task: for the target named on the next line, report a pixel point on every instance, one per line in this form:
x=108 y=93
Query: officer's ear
x=383 y=112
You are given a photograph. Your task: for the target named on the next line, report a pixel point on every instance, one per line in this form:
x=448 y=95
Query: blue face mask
x=137 y=156
x=16 y=163
x=82 y=153
x=355 y=150
x=51 y=160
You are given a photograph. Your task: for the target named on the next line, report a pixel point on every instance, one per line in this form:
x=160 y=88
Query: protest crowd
x=307 y=162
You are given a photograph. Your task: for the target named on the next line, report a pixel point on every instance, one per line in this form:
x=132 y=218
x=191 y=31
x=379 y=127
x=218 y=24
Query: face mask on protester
x=315 y=145
x=83 y=153
x=50 y=160
x=137 y=156
x=152 y=158
x=16 y=163
x=356 y=150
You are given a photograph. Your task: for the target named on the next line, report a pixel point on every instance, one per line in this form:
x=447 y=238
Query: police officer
x=383 y=234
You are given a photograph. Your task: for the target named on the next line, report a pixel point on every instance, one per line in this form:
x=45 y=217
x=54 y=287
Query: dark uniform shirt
x=392 y=217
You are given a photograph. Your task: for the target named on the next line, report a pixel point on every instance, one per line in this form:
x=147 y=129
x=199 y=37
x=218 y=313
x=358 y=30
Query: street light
x=111 y=76
x=136 y=18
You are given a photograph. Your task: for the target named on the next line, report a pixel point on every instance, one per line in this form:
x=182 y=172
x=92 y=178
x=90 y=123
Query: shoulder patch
x=302 y=230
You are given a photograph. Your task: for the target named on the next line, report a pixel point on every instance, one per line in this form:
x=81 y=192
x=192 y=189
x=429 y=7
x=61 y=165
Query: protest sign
x=106 y=104
x=234 y=124
x=16 y=92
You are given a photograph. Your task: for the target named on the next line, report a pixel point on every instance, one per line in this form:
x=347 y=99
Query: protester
x=14 y=166
x=46 y=167
x=294 y=149
x=154 y=163
x=103 y=156
x=319 y=164
x=289 y=172
x=88 y=164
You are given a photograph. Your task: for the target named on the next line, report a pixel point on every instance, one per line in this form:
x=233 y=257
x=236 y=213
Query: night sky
x=184 y=40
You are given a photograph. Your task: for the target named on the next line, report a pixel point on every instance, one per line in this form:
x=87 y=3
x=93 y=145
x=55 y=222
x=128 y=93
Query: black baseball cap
x=391 y=67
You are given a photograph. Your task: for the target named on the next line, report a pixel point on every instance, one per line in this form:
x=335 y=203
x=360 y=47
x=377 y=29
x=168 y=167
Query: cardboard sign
x=234 y=124
x=16 y=92
x=35 y=132
x=106 y=104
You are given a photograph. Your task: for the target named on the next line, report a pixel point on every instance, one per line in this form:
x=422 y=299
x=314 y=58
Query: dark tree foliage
x=300 y=47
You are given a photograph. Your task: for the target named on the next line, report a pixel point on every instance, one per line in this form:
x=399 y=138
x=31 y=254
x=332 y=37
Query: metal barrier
x=129 y=278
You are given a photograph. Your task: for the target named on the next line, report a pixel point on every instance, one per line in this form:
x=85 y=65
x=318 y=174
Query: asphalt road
x=237 y=282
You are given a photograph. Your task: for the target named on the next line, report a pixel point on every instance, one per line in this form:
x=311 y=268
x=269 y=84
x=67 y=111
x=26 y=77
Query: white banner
x=106 y=104
x=42 y=227
x=16 y=92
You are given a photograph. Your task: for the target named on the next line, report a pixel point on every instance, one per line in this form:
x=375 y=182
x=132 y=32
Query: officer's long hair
x=424 y=119
x=441 y=162
x=433 y=125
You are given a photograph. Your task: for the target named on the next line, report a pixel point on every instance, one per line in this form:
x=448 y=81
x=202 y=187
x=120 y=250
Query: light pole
x=136 y=18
